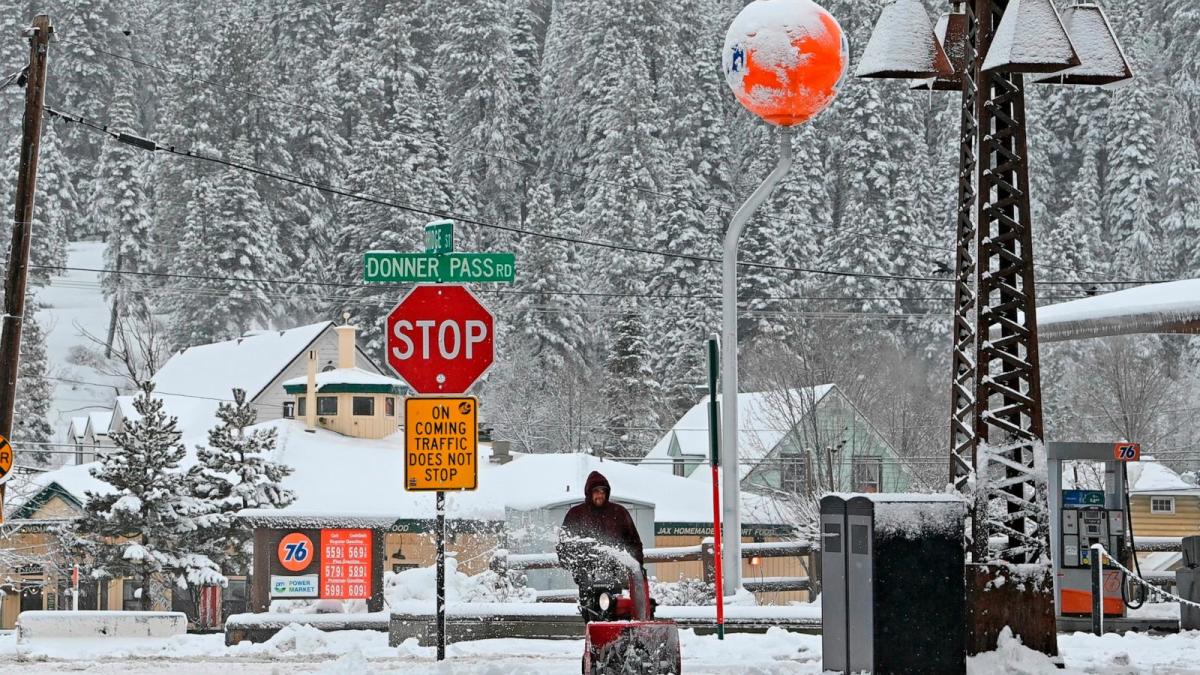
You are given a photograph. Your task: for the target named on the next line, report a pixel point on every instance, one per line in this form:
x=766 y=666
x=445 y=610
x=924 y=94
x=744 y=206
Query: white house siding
x=269 y=403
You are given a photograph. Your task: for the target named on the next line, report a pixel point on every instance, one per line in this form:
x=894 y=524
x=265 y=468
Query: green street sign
x=390 y=267
x=439 y=237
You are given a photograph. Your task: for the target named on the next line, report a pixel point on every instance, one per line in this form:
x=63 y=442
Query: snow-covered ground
x=305 y=649
x=71 y=304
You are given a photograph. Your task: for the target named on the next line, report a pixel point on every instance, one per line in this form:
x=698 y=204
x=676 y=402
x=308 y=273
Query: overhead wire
x=533 y=165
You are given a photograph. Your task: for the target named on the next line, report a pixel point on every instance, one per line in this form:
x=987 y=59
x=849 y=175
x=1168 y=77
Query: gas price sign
x=346 y=564
x=440 y=443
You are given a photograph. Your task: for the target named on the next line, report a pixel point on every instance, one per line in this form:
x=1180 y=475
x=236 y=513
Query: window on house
x=389 y=406
x=300 y=410
x=289 y=409
x=328 y=369
x=364 y=405
x=793 y=473
x=78 y=453
x=677 y=466
x=868 y=473
x=1162 y=505
x=129 y=600
x=326 y=405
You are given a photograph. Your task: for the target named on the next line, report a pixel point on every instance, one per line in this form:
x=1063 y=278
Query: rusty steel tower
x=988 y=50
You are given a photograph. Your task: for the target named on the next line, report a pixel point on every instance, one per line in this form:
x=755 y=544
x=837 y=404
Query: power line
x=147 y=144
x=538 y=167
x=584 y=294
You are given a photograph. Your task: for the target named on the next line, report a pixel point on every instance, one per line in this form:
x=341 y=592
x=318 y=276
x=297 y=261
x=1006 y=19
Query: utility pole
x=18 y=257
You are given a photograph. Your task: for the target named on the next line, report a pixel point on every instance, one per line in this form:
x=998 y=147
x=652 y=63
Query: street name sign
x=441 y=443
x=439 y=339
x=397 y=267
x=439 y=237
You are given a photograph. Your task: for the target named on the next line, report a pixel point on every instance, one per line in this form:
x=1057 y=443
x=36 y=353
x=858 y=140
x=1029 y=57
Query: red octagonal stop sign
x=439 y=339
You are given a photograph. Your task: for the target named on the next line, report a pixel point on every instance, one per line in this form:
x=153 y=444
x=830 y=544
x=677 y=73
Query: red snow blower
x=622 y=635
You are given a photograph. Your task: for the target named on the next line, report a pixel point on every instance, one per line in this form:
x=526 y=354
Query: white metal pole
x=731 y=555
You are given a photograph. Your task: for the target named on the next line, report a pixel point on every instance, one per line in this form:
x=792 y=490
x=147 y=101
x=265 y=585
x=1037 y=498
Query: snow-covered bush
x=683 y=592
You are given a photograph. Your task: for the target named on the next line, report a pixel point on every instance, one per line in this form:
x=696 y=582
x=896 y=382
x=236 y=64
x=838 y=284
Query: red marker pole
x=714 y=443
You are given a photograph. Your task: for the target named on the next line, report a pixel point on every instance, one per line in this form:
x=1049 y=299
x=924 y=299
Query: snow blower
x=622 y=635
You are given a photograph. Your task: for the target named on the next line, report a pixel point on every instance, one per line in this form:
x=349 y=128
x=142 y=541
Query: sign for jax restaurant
x=345 y=564
x=439 y=339
x=440 y=443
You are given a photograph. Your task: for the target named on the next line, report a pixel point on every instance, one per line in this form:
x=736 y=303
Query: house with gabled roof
x=790 y=441
x=195 y=381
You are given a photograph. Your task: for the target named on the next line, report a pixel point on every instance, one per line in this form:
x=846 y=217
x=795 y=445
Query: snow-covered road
x=306 y=650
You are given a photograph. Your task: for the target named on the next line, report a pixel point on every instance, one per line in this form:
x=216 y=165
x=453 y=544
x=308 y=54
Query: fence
x=503 y=561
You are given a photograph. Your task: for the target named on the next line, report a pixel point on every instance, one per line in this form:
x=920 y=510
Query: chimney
x=346 y=345
x=310 y=406
x=501 y=452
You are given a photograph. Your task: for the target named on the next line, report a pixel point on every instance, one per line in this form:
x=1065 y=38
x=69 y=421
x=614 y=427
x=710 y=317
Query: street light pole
x=731 y=555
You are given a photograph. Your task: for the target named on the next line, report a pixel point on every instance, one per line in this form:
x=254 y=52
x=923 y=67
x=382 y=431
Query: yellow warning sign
x=6 y=459
x=441 y=445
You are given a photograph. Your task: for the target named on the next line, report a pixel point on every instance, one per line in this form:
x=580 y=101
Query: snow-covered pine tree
x=484 y=107
x=230 y=242
x=234 y=472
x=119 y=209
x=57 y=210
x=31 y=415
x=628 y=385
x=143 y=524
x=548 y=313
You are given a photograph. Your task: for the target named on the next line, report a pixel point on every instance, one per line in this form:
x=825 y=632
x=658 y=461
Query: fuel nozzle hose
x=1142 y=593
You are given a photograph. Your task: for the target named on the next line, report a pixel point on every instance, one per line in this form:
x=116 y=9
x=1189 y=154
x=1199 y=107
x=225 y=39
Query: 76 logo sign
x=295 y=551
x=1127 y=452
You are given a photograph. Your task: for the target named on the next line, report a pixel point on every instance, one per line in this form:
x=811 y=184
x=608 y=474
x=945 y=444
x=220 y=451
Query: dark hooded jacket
x=607 y=524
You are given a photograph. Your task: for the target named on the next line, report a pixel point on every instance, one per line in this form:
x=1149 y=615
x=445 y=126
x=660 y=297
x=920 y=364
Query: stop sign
x=439 y=339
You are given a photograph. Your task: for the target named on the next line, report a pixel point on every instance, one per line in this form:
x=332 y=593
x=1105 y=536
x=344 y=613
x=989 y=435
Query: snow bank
x=1011 y=656
x=37 y=625
x=420 y=584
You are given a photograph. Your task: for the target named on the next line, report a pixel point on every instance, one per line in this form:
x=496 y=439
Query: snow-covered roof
x=1031 y=32
x=250 y=363
x=764 y=419
x=77 y=428
x=1151 y=477
x=349 y=376
x=1171 y=307
x=196 y=415
x=359 y=480
x=76 y=480
x=98 y=423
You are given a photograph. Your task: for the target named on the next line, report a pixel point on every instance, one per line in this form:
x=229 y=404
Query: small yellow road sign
x=441 y=443
x=6 y=459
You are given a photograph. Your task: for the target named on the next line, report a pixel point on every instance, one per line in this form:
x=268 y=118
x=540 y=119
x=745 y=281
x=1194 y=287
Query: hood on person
x=596 y=489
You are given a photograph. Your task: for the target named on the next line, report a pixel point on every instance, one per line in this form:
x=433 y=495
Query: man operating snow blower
x=600 y=546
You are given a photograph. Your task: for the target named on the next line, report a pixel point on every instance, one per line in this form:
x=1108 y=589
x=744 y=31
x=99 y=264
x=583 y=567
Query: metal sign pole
x=714 y=442
x=729 y=382
x=441 y=575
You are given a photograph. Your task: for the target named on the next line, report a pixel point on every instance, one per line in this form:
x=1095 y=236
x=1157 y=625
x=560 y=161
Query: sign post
x=714 y=443
x=441 y=450
x=439 y=340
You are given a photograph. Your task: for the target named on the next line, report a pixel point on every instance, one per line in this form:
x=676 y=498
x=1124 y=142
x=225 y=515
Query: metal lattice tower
x=996 y=393
x=962 y=366
x=1008 y=393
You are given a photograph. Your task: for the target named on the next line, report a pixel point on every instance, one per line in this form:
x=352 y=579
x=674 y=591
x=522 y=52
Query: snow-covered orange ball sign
x=785 y=59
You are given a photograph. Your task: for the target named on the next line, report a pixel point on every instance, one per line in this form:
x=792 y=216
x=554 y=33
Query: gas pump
x=1080 y=518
